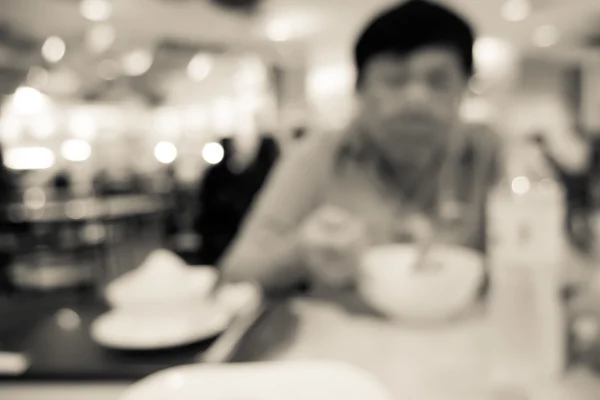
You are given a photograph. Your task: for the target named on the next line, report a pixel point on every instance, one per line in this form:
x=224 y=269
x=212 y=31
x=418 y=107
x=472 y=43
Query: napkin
x=13 y=363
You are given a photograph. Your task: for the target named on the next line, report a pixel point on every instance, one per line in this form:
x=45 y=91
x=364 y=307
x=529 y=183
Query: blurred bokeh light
x=165 y=152
x=96 y=10
x=54 y=49
x=76 y=150
x=213 y=153
x=29 y=158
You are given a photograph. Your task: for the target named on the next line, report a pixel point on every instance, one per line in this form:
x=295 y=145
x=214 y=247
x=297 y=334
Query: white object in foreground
x=174 y=324
x=13 y=363
x=443 y=287
x=261 y=381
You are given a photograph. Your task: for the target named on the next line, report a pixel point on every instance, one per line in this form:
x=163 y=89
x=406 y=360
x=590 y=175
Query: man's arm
x=266 y=249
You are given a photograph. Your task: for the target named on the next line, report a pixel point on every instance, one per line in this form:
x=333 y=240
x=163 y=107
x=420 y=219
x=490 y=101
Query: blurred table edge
x=318 y=336
x=62 y=391
x=388 y=350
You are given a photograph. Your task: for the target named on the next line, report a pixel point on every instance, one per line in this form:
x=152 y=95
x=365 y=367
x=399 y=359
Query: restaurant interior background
x=136 y=93
x=92 y=80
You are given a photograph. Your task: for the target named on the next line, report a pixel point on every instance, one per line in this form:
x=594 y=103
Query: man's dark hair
x=410 y=26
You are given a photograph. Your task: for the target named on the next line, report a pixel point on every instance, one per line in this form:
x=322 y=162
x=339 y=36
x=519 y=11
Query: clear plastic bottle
x=525 y=222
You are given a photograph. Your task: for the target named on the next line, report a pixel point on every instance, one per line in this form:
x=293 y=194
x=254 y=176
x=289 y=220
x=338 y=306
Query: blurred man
x=404 y=157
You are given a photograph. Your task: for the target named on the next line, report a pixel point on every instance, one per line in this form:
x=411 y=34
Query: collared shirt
x=327 y=169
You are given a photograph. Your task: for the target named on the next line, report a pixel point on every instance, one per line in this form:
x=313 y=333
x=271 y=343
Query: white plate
x=312 y=380
x=147 y=330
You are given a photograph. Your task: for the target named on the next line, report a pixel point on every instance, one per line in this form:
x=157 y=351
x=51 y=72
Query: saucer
x=135 y=329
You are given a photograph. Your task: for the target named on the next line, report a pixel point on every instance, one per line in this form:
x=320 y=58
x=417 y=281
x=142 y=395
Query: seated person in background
x=62 y=184
x=100 y=182
x=405 y=155
x=570 y=159
x=227 y=192
x=7 y=186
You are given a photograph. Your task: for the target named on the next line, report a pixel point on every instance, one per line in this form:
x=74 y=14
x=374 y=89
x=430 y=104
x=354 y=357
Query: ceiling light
x=279 y=31
x=137 y=62
x=288 y=25
x=54 y=49
x=516 y=10
x=76 y=150
x=546 y=36
x=199 y=67
x=100 y=37
x=494 y=59
x=29 y=158
x=165 y=152
x=213 y=153
x=489 y=51
x=28 y=101
x=96 y=10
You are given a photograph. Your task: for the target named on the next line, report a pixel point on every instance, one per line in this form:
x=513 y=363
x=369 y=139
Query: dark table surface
x=67 y=353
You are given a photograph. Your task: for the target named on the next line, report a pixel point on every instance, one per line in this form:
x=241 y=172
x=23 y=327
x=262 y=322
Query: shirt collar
x=356 y=147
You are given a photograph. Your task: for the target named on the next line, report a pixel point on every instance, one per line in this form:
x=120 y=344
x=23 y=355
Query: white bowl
x=313 y=380
x=446 y=286
x=162 y=260
x=139 y=290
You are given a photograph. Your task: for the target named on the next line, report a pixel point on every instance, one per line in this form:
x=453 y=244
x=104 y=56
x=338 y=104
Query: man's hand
x=332 y=241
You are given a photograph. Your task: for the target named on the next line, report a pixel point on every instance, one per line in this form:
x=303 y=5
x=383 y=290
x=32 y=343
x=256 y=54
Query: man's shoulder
x=319 y=147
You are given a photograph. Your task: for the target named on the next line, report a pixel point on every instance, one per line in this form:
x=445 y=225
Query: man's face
x=410 y=104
